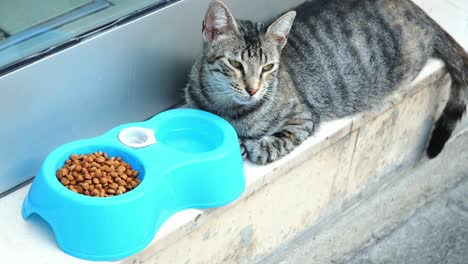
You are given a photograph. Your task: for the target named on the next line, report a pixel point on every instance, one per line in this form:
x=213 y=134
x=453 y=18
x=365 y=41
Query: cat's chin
x=245 y=101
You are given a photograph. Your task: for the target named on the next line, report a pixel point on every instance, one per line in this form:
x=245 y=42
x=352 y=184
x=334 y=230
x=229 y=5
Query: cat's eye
x=235 y=64
x=268 y=67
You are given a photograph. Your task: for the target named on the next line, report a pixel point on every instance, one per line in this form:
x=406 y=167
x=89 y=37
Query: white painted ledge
x=33 y=242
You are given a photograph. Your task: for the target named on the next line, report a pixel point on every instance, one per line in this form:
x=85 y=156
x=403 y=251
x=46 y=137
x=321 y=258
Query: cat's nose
x=251 y=86
x=251 y=90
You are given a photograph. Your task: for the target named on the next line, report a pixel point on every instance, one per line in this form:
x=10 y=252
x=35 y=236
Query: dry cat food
x=97 y=174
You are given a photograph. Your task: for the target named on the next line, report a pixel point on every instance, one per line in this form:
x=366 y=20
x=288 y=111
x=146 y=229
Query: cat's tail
x=456 y=60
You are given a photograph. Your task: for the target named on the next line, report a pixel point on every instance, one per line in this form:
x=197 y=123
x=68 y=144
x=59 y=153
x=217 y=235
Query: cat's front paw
x=255 y=152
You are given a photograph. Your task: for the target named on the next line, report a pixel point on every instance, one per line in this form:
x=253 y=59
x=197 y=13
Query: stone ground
x=435 y=232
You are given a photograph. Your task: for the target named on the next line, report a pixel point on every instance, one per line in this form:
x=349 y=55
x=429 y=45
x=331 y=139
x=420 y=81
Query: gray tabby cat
x=341 y=57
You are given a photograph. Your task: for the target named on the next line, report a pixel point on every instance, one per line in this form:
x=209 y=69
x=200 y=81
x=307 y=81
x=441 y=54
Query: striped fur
x=341 y=57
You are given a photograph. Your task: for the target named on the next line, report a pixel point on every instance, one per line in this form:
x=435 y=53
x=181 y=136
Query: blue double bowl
x=186 y=158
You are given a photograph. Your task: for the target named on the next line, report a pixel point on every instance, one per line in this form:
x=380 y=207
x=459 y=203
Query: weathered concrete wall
x=452 y=15
x=419 y=217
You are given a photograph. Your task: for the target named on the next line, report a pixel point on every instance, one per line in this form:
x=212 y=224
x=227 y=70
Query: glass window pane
x=28 y=27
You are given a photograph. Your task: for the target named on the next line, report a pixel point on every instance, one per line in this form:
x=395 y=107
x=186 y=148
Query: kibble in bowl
x=98 y=174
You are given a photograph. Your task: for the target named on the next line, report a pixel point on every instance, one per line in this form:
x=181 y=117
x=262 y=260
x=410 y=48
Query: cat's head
x=242 y=57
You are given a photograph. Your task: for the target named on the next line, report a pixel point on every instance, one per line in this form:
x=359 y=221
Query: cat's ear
x=278 y=31
x=218 y=22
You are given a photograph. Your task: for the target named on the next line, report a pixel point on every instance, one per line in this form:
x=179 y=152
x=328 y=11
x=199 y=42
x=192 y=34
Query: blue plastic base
x=196 y=163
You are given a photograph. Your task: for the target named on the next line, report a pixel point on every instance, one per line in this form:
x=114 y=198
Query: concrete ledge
x=328 y=174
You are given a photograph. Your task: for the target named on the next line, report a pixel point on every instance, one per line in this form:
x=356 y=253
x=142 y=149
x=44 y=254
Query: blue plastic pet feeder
x=186 y=159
